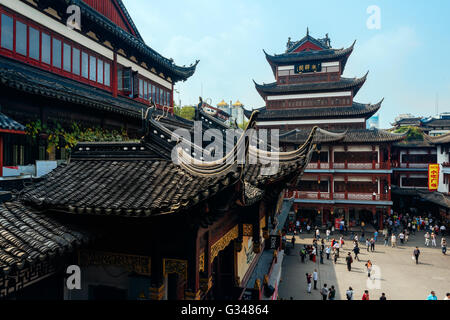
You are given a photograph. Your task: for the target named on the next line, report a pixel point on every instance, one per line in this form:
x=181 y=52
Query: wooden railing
x=313 y=195
x=413 y=165
x=349 y=166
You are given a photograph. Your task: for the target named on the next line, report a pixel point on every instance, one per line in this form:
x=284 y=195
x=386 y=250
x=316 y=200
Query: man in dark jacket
x=356 y=252
x=417 y=254
x=349 y=261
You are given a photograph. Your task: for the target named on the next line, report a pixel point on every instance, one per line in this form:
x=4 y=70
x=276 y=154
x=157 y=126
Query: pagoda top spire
x=307 y=31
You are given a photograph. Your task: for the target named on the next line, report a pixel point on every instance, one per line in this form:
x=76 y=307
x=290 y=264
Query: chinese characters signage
x=308 y=67
x=433 y=177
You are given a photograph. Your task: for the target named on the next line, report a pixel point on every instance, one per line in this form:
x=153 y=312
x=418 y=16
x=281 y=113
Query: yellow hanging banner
x=433 y=177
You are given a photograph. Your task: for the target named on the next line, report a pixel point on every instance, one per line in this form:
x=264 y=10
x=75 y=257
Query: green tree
x=413 y=133
x=187 y=112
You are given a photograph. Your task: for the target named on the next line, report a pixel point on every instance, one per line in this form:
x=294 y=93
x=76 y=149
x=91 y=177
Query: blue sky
x=408 y=58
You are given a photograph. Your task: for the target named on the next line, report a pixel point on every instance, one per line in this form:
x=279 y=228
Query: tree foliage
x=187 y=112
x=413 y=133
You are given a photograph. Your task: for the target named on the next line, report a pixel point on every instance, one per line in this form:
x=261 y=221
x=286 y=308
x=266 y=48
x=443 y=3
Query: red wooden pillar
x=331 y=187
x=331 y=158
x=373 y=158
x=389 y=187
x=346 y=181
x=1 y=155
x=389 y=158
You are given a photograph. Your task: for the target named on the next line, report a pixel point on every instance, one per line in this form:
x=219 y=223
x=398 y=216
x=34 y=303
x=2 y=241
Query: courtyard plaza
x=399 y=277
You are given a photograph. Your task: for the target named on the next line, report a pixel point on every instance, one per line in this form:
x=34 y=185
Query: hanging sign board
x=433 y=177
x=308 y=67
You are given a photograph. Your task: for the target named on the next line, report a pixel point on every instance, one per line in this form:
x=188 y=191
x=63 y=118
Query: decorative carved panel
x=224 y=242
x=175 y=266
x=138 y=264
x=247 y=230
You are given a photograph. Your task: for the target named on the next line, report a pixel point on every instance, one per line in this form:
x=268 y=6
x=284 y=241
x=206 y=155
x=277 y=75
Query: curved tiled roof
x=311 y=55
x=349 y=136
x=27 y=236
x=356 y=110
x=6 y=123
x=177 y=72
x=343 y=83
x=442 y=139
x=34 y=81
x=145 y=185
x=322 y=136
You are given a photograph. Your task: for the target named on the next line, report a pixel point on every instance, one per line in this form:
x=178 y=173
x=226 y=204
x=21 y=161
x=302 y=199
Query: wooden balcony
x=413 y=165
x=349 y=166
x=312 y=195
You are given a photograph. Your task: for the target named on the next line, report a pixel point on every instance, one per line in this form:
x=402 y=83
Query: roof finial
x=307 y=31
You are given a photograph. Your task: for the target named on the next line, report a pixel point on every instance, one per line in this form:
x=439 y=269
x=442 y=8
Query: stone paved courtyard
x=400 y=278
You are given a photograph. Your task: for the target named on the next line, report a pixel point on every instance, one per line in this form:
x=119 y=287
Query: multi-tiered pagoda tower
x=349 y=176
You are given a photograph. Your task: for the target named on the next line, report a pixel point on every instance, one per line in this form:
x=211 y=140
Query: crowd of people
x=329 y=246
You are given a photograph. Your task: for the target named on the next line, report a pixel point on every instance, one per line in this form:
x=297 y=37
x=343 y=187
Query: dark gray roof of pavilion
x=137 y=43
x=27 y=236
x=442 y=139
x=6 y=123
x=109 y=181
x=310 y=56
x=350 y=136
x=34 y=81
x=356 y=110
x=344 y=83
x=431 y=196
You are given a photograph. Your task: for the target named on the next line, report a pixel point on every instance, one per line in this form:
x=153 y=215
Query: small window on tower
x=21 y=38
x=33 y=43
x=7 y=32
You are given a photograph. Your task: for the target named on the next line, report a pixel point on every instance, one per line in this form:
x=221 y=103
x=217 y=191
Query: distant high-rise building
x=374 y=122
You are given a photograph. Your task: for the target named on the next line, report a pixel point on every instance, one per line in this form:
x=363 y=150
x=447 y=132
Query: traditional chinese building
x=98 y=74
x=349 y=176
x=413 y=179
x=142 y=226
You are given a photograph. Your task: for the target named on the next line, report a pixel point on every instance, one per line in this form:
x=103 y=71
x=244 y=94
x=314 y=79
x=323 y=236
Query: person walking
x=372 y=244
x=349 y=261
x=375 y=236
x=427 y=239
x=341 y=243
x=332 y=293
x=369 y=267
x=383 y=297
x=416 y=254
x=315 y=278
x=433 y=239
x=444 y=246
x=356 y=252
x=447 y=296
x=368 y=244
x=349 y=293
x=293 y=241
x=308 y=281
x=393 y=241
x=401 y=236
x=328 y=234
x=328 y=251
x=324 y=292
x=386 y=240
x=365 y=295
x=321 y=256
x=432 y=296
x=336 y=256
x=303 y=255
